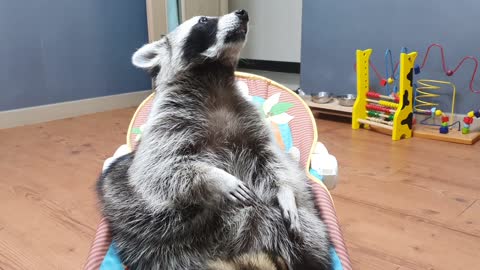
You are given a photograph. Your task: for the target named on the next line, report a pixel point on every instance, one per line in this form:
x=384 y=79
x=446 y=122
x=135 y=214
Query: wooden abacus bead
x=468 y=120
x=378 y=108
x=471 y=113
x=465 y=130
x=444 y=124
x=445 y=119
x=450 y=73
x=477 y=114
x=390 y=80
x=373 y=114
x=388 y=104
x=372 y=94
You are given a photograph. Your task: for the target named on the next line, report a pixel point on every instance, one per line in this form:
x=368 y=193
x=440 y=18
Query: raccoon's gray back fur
x=207 y=180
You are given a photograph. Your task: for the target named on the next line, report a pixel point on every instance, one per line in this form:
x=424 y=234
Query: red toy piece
x=468 y=120
x=383 y=82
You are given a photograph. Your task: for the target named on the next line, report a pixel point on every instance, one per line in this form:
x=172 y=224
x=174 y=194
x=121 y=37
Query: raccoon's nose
x=242 y=14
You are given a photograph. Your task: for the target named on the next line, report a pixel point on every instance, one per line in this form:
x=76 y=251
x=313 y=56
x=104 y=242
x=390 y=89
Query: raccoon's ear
x=148 y=57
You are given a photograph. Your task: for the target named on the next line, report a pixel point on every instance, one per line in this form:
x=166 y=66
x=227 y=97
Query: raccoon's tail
x=251 y=261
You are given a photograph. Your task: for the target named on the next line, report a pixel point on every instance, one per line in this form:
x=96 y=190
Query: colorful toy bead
x=373 y=114
x=445 y=119
x=390 y=80
x=471 y=114
x=466 y=125
x=477 y=114
x=417 y=69
x=383 y=82
x=379 y=108
x=444 y=130
x=437 y=112
x=372 y=94
x=465 y=130
x=444 y=124
x=468 y=120
x=449 y=73
x=390 y=117
x=388 y=104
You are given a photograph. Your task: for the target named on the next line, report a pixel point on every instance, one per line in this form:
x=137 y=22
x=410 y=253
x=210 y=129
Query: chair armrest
x=122 y=150
x=324 y=166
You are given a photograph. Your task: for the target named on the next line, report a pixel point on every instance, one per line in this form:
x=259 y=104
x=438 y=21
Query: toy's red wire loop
x=444 y=66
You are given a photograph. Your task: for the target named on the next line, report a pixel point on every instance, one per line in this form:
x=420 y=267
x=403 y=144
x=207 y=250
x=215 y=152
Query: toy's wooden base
x=455 y=136
x=331 y=108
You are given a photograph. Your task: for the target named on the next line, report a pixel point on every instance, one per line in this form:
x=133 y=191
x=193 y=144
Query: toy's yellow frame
x=404 y=113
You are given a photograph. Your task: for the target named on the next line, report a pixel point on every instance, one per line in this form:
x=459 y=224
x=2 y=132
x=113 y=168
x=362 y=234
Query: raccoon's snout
x=242 y=15
x=239 y=27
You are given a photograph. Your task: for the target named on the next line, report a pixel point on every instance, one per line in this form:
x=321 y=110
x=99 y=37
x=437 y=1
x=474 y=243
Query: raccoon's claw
x=293 y=223
x=286 y=200
x=242 y=195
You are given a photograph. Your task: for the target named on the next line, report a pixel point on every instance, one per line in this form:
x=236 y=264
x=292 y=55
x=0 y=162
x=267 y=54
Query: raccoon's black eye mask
x=202 y=36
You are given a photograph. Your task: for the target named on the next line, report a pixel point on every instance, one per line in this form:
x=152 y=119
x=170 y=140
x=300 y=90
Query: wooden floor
x=413 y=204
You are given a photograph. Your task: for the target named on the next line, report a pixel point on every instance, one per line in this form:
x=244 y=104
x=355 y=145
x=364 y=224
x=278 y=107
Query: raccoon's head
x=198 y=40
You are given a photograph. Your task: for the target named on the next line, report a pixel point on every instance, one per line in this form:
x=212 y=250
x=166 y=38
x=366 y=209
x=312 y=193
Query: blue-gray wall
x=333 y=30
x=62 y=50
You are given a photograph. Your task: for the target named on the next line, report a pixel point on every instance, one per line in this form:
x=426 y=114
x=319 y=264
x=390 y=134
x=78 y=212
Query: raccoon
x=207 y=181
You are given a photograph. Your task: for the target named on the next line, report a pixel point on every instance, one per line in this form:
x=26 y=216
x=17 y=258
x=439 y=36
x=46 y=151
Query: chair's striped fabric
x=295 y=130
x=100 y=246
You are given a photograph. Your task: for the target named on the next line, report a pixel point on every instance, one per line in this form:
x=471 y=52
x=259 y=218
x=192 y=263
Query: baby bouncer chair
x=295 y=131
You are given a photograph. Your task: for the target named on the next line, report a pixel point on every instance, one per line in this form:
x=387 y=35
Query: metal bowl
x=303 y=95
x=322 y=97
x=347 y=100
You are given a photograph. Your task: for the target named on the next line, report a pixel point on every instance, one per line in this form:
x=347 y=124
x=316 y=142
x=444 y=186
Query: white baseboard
x=44 y=113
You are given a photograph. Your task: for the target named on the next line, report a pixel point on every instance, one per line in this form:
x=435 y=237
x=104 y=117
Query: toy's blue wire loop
x=389 y=65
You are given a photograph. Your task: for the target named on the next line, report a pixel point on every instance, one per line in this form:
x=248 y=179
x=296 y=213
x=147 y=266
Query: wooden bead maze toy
x=393 y=114
x=464 y=130
x=450 y=129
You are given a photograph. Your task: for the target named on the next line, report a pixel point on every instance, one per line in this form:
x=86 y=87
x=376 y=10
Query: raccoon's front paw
x=237 y=192
x=288 y=205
